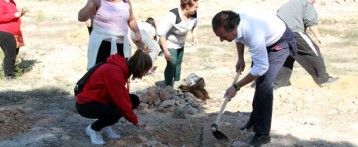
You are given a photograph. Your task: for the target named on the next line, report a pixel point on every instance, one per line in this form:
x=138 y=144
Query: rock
x=151 y=93
x=195 y=104
x=175 y=97
x=180 y=102
x=167 y=103
x=191 y=110
x=145 y=98
x=178 y=113
x=188 y=94
x=152 y=89
x=170 y=90
x=189 y=99
x=153 y=100
x=164 y=95
x=157 y=101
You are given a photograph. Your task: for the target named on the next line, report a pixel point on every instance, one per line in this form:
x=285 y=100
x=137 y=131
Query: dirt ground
x=37 y=109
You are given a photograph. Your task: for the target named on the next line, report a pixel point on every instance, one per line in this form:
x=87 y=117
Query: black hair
x=228 y=19
x=139 y=64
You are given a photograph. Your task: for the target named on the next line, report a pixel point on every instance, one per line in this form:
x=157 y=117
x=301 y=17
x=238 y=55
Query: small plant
x=201 y=136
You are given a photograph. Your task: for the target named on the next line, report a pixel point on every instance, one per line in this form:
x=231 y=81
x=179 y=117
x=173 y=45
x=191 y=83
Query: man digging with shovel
x=269 y=41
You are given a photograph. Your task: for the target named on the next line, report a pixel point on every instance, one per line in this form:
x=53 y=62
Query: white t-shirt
x=146 y=27
x=258 y=30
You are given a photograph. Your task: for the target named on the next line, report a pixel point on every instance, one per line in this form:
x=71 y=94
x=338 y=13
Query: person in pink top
x=10 y=30
x=111 y=19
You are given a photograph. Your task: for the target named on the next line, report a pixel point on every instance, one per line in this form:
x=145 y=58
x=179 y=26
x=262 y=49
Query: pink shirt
x=113 y=16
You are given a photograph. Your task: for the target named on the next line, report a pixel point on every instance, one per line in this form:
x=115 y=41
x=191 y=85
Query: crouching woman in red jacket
x=106 y=98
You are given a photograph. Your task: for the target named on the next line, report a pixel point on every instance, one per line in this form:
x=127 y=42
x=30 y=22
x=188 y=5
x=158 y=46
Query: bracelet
x=236 y=88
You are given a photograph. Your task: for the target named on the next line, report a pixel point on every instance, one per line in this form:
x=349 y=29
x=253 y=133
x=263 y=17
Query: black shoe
x=329 y=81
x=248 y=126
x=259 y=140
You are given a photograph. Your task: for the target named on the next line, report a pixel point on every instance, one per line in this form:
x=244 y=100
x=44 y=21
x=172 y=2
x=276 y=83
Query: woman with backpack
x=106 y=97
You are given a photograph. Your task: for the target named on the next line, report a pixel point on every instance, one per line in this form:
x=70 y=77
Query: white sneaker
x=96 y=136
x=108 y=131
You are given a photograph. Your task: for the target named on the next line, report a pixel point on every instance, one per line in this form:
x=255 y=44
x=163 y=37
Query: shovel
x=214 y=127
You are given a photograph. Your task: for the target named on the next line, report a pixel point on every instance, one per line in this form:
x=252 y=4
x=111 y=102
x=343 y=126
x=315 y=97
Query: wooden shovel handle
x=226 y=100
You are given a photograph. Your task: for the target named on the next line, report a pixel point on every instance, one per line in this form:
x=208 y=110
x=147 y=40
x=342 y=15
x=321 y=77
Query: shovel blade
x=217 y=134
x=220 y=136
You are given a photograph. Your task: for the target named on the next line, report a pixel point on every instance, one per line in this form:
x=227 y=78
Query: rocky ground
x=37 y=109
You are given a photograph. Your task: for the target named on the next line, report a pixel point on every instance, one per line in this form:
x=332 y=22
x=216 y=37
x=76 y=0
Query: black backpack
x=81 y=83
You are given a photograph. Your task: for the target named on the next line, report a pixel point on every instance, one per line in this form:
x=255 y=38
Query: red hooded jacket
x=8 y=22
x=107 y=85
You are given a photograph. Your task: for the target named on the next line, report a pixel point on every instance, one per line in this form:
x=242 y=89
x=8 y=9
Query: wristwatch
x=236 y=87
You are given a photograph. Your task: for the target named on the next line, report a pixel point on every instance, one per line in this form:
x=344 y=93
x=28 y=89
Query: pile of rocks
x=169 y=100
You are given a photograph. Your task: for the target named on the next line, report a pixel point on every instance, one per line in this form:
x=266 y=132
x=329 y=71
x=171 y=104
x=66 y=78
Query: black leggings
x=8 y=45
x=105 y=51
x=105 y=114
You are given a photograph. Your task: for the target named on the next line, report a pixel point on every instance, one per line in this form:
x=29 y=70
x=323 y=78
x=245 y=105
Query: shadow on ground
x=21 y=68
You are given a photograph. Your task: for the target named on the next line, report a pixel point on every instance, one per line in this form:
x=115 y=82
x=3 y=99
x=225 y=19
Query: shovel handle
x=226 y=100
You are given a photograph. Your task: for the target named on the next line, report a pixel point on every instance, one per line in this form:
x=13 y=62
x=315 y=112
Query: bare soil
x=37 y=109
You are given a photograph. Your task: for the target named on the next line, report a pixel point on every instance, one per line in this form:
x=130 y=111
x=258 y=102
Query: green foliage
x=201 y=137
x=20 y=68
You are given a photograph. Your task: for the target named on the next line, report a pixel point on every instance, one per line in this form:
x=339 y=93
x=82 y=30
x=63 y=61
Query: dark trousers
x=90 y=30
x=311 y=61
x=106 y=115
x=105 y=51
x=263 y=98
x=173 y=69
x=8 y=45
